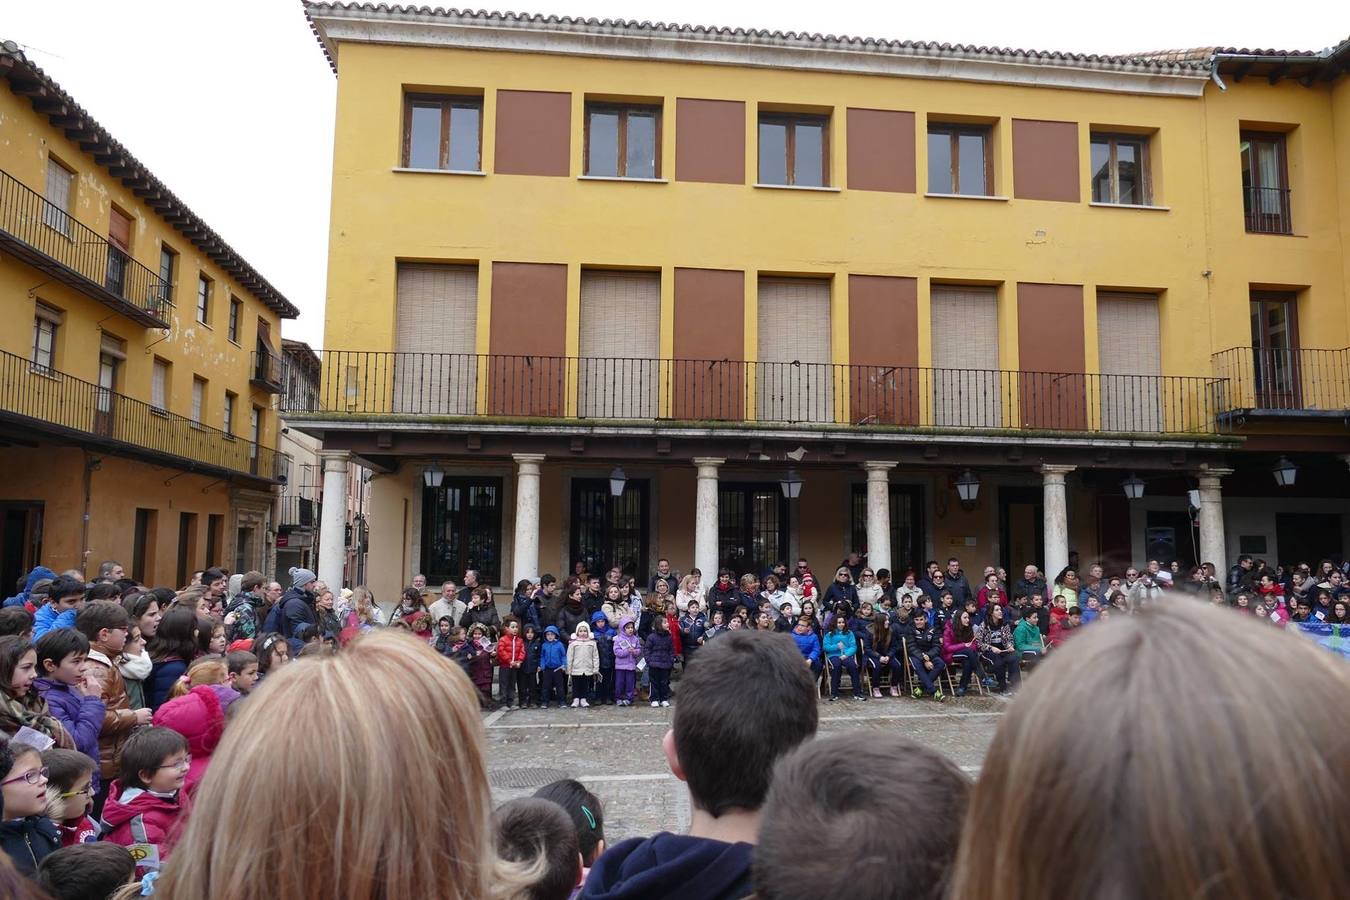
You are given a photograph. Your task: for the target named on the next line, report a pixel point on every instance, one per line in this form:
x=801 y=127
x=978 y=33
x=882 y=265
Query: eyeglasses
x=185 y=763
x=35 y=776
x=86 y=791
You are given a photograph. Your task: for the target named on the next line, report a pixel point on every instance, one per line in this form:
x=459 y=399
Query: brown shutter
x=1045 y=160
x=1050 y=345
x=880 y=150
x=710 y=141
x=883 y=349
x=119 y=230
x=534 y=133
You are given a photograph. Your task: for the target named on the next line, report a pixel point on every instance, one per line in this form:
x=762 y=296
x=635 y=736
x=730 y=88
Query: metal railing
x=370 y=383
x=268 y=369
x=294 y=511
x=1287 y=380
x=58 y=401
x=1267 y=210
x=51 y=236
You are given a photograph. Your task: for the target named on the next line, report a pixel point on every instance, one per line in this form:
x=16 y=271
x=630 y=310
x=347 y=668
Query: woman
x=412 y=610
x=772 y=592
x=430 y=788
x=909 y=588
x=959 y=647
x=840 y=590
x=868 y=590
x=1203 y=797
x=177 y=642
x=1066 y=586
x=689 y=590
x=327 y=616
x=365 y=614
x=1340 y=613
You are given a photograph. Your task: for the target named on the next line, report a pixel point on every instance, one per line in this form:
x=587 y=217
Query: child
x=21 y=706
x=480 y=663
x=16 y=620
x=217 y=644
x=1027 y=638
x=603 y=690
x=659 y=651
x=199 y=716
x=134 y=665
x=925 y=654
x=808 y=644
x=841 y=649
x=143 y=805
x=242 y=670
x=203 y=671
x=529 y=829
x=673 y=629
x=716 y=625
x=583 y=662
x=553 y=668
x=627 y=652
x=511 y=663
x=445 y=636
x=272 y=652
x=785 y=621
x=85 y=871
x=693 y=626
x=64 y=599
x=530 y=668
x=72 y=694
x=997 y=653
x=26 y=834
x=70 y=795
x=959 y=647
x=586 y=813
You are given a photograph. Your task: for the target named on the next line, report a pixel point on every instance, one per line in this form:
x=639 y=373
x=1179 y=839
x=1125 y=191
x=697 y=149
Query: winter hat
x=302 y=577
x=198 y=716
x=241 y=644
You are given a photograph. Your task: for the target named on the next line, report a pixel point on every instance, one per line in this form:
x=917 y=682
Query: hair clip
x=148 y=884
x=589 y=818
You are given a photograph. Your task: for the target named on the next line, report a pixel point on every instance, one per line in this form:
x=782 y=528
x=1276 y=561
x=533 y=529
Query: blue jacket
x=28 y=841
x=668 y=866
x=82 y=716
x=659 y=650
x=808 y=644
x=297 y=608
x=526 y=609
x=841 y=643
x=39 y=573
x=862 y=630
x=552 y=654
x=163 y=674
x=47 y=618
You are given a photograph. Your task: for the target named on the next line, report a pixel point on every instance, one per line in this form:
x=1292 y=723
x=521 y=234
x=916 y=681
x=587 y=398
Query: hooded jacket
x=136 y=816
x=82 y=716
x=807 y=644
x=118 y=716
x=604 y=640
x=297 y=608
x=669 y=866
x=28 y=840
x=627 y=647
x=198 y=716
x=47 y=619
x=583 y=657
x=510 y=649
x=1027 y=636
x=39 y=573
x=659 y=650
x=533 y=649
x=552 y=654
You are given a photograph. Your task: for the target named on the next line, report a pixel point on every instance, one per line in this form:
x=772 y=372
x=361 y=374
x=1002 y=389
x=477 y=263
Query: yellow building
x=814 y=294
x=140 y=365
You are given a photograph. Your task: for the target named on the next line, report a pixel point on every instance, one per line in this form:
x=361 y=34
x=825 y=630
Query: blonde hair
x=354 y=829
x=1153 y=755
x=363 y=603
x=203 y=671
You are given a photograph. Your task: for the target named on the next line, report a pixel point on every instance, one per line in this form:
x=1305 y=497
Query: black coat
x=569 y=617
x=26 y=841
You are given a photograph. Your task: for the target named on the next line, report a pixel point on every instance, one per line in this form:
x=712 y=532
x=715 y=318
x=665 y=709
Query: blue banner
x=1335 y=638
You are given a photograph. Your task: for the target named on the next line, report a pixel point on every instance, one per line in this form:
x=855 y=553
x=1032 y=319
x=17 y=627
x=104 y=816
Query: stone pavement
x=617 y=753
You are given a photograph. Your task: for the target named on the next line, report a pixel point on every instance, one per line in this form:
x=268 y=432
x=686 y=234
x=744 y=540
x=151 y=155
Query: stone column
x=1056 y=519
x=525 y=548
x=1213 y=546
x=878 y=514
x=705 y=518
x=333 y=521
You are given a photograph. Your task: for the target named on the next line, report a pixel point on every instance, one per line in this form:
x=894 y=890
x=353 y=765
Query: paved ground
x=617 y=752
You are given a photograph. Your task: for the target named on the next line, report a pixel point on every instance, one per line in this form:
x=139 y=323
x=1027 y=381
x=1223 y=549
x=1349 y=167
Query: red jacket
x=673 y=626
x=510 y=648
x=146 y=823
x=1059 y=630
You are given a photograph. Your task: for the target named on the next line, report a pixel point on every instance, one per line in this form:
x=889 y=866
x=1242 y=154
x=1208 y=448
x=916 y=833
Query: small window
x=45 y=322
x=228 y=414
x=442 y=133
x=1265 y=182
x=235 y=311
x=793 y=150
x=623 y=141
x=159 y=385
x=203 y=299
x=60 y=191
x=198 y=399
x=168 y=271
x=959 y=161
x=1120 y=169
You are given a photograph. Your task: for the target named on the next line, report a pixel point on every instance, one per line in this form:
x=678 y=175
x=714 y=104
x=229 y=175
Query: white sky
x=230 y=102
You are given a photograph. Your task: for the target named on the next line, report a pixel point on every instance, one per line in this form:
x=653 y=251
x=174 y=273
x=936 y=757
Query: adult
x=447 y=605
x=1031 y=584
x=1240 y=576
x=325 y=616
x=957 y=582
x=550 y=598
x=1201 y=780
x=841 y=590
x=297 y=608
x=111 y=569
x=482 y=610
x=663 y=573
x=868 y=589
x=593 y=597
x=470 y=584
x=1095 y=585
x=854 y=563
x=419 y=581
x=429 y=748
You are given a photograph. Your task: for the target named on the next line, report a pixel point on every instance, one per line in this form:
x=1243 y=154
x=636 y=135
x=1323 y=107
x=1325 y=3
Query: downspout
x=1214 y=72
x=90 y=464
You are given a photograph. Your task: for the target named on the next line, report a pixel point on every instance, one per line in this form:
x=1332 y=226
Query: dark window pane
x=464 y=122
x=604 y=144
x=940 y=163
x=808 y=161
x=772 y=153
x=971 y=175
x=424 y=137
x=1101 y=172
x=1127 y=165
x=641 y=156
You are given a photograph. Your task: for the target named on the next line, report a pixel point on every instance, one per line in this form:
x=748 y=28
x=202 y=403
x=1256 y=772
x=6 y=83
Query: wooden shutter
x=119 y=230
x=620 y=343
x=435 y=371
x=966 y=382
x=794 y=327
x=1129 y=358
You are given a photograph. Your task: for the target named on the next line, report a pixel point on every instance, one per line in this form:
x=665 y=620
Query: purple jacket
x=627 y=649
x=659 y=650
x=82 y=716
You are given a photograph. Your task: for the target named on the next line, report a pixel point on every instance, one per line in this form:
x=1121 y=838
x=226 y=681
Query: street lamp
x=1285 y=472
x=432 y=476
x=791 y=485
x=1134 y=486
x=968 y=486
x=617 y=479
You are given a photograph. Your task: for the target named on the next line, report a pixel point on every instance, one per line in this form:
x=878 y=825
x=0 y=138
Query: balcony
x=394 y=386
x=46 y=237
x=295 y=511
x=52 y=402
x=1307 y=384
x=268 y=371
x=1266 y=210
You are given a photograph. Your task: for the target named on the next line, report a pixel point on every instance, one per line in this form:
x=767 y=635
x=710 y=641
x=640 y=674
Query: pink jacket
x=950 y=646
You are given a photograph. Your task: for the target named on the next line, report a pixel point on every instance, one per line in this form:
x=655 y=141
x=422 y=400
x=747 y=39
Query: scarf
x=15 y=714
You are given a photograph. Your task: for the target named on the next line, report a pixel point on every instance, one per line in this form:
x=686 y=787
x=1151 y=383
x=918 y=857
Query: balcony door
x=119 y=250
x=1275 y=370
x=1265 y=183
x=608 y=531
x=106 y=397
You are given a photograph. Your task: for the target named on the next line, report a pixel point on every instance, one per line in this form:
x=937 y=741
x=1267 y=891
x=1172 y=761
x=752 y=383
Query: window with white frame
x=46 y=320
x=198 y=399
x=159 y=386
x=59 y=194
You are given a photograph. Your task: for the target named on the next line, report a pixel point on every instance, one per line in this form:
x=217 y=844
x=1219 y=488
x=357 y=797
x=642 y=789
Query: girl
x=530 y=695
x=890 y=653
x=133 y=663
x=20 y=704
x=659 y=651
x=480 y=663
x=70 y=795
x=627 y=653
x=673 y=629
x=272 y=652
x=202 y=672
x=216 y=644
x=841 y=649
x=994 y=637
x=413 y=611
x=960 y=647
x=583 y=662
x=688 y=591
x=763 y=622
x=586 y=813
x=868 y=589
x=715 y=627
x=26 y=835
x=1340 y=613
x=365 y=614
x=614 y=607
x=809 y=611
x=171 y=649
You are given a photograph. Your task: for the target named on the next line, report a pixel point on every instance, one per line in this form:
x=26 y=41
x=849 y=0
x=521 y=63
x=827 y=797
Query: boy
x=529 y=670
x=65 y=596
x=16 y=620
x=85 y=870
x=70 y=796
x=925 y=654
x=106 y=624
x=722 y=743
x=242 y=667
x=553 y=668
x=808 y=645
x=528 y=828
x=511 y=663
x=859 y=819
x=143 y=803
x=71 y=692
x=1027 y=639
x=1094 y=608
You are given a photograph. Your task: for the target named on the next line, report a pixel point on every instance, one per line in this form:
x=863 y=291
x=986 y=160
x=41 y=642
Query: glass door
x=752 y=531
x=1275 y=351
x=608 y=531
x=105 y=397
x=1265 y=187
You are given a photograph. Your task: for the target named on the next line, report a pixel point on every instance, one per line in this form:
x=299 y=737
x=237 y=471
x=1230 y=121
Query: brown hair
x=1148 y=727
x=348 y=821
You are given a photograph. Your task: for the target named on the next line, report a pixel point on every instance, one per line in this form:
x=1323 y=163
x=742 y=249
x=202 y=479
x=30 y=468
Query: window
x=1275 y=354
x=46 y=320
x=168 y=271
x=60 y=188
x=215 y=530
x=236 y=308
x=203 y=299
x=1265 y=183
x=442 y=133
x=609 y=531
x=462 y=529
x=959 y=160
x=793 y=150
x=198 y=399
x=254 y=430
x=227 y=415
x=906 y=526
x=752 y=526
x=159 y=385
x=143 y=545
x=623 y=141
x=119 y=250
x=1120 y=169
x=187 y=544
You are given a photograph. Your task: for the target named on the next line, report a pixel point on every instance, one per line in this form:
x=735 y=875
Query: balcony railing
x=49 y=238
x=268 y=371
x=295 y=511
x=1267 y=210
x=1285 y=381
x=46 y=399
x=360 y=383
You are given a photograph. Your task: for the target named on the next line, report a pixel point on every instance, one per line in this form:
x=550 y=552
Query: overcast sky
x=230 y=102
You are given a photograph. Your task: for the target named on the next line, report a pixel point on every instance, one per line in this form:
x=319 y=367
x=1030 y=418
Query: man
x=297 y=608
x=245 y=612
x=884 y=582
x=663 y=573
x=111 y=569
x=466 y=592
x=854 y=563
x=273 y=594
x=957 y=583
x=1094 y=586
x=1239 y=577
x=106 y=624
x=592 y=599
x=723 y=743
x=1140 y=589
x=1030 y=584
x=419 y=581
x=549 y=599
x=447 y=605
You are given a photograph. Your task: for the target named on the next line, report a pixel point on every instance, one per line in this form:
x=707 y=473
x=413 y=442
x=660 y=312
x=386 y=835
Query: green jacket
x=1027 y=636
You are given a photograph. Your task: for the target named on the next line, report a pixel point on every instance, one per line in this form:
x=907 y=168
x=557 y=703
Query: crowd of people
x=128 y=711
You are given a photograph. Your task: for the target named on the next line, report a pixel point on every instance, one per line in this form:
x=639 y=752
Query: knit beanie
x=302 y=577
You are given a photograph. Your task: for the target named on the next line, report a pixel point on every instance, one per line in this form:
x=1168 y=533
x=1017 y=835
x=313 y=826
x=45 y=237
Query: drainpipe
x=91 y=464
x=1214 y=73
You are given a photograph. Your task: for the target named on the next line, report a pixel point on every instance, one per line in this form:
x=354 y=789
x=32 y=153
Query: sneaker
x=917 y=693
x=585 y=705
x=989 y=682
x=655 y=704
x=939 y=696
x=876 y=692
x=576 y=704
x=895 y=691
x=960 y=692
x=834 y=697
x=543 y=706
x=862 y=697
x=665 y=702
